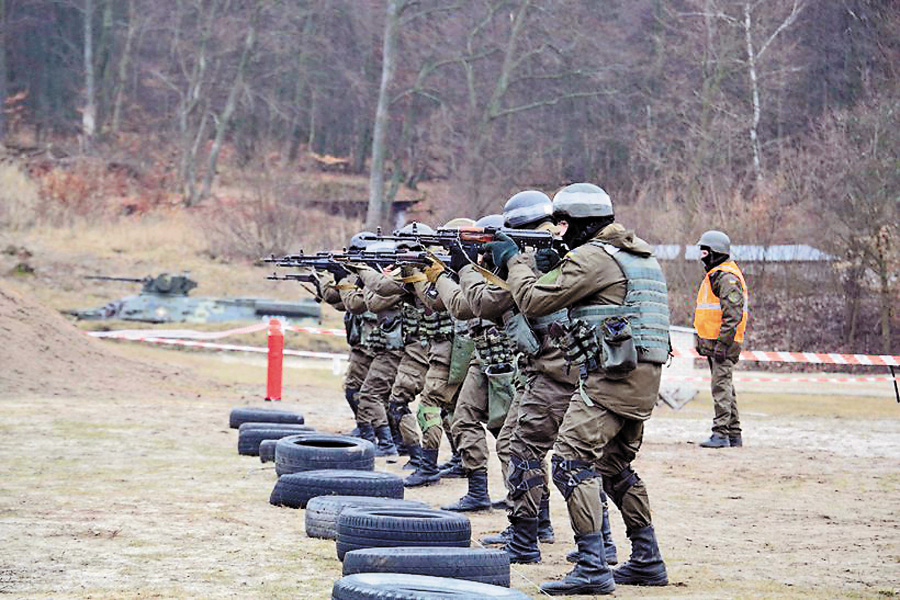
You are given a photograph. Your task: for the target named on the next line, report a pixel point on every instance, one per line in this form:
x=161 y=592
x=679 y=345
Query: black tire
x=472 y=564
x=262 y=415
x=391 y=527
x=321 y=451
x=267 y=450
x=322 y=512
x=249 y=439
x=255 y=425
x=296 y=489
x=395 y=586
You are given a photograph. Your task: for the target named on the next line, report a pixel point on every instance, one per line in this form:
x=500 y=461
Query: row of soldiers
x=558 y=348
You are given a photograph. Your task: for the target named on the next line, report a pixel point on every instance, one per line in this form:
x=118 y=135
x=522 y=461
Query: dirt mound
x=42 y=354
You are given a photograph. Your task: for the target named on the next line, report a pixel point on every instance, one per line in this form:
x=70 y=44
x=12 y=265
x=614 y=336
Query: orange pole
x=276 y=357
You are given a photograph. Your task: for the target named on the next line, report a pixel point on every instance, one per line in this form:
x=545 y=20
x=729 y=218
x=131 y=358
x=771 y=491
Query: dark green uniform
x=727 y=287
x=603 y=427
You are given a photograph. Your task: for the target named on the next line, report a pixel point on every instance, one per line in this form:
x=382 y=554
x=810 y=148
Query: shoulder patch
x=734 y=297
x=550 y=276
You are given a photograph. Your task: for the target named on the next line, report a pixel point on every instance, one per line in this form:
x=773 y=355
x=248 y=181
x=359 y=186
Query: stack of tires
x=387 y=544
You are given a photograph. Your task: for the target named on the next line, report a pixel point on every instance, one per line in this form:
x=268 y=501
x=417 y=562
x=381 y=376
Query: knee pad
x=619 y=484
x=398 y=410
x=568 y=474
x=518 y=467
x=428 y=417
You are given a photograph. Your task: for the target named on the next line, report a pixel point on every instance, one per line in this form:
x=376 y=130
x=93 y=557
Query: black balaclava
x=580 y=231
x=712 y=259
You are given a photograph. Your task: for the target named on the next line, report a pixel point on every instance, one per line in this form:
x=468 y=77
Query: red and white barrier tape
x=822 y=358
x=788 y=378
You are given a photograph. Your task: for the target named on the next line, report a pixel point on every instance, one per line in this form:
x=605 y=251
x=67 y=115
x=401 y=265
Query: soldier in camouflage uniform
x=356 y=326
x=617 y=337
x=721 y=320
x=471 y=414
x=360 y=355
x=413 y=365
x=386 y=342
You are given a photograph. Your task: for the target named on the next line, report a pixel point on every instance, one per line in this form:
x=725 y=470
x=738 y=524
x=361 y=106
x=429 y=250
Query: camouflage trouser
x=357 y=367
x=469 y=418
x=407 y=385
x=436 y=394
x=376 y=389
x=727 y=422
x=505 y=436
x=541 y=412
x=595 y=441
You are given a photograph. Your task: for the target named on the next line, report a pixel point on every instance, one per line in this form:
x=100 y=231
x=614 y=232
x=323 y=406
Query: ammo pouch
x=461 y=352
x=411 y=317
x=619 y=355
x=353 y=329
x=391 y=325
x=494 y=350
x=500 y=395
x=376 y=339
x=519 y=331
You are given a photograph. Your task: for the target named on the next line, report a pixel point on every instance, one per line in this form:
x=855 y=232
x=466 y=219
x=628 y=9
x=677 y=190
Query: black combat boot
x=427 y=472
x=415 y=451
x=455 y=470
x=350 y=395
x=386 y=445
x=591 y=575
x=645 y=566
x=545 y=527
x=523 y=545
x=736 y=441
x=609 y=546
x=502 y=504
x=454 y=460
x=367 y=432
x=502 y=538
x=477 y=497
x=716 y=441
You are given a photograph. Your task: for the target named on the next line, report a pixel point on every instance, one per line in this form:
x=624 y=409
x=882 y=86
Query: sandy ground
x=145 y=497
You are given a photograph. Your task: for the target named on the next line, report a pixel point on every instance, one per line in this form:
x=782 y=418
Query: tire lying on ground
x=391 y=527
x=249 y=439
x=394 y=586
x=264 y=425
x=474 y=564
x=322 y=512
x=262 y=415
x=294 y=490
x=320 y=451
x=267 y=450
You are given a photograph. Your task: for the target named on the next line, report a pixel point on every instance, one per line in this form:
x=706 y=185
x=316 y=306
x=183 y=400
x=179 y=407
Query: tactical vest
x=646 y=307
x=353 y=328
x=368 y=323
x=437 y=326
x=527 y=334
x=493 y=348
x=708 y=314
x=412 y=322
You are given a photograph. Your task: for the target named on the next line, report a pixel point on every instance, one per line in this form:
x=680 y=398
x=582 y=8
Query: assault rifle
x=477 y=237
x=342 y=262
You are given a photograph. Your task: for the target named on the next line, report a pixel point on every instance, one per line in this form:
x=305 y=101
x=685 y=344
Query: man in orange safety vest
x=720 y=319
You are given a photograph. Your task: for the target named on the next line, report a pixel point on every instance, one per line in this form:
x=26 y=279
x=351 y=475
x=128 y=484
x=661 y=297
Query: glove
x=433 y=271
x=502 y=249
x=461 y=256
x=720 y=352
x=339 y=274
x=546 y=259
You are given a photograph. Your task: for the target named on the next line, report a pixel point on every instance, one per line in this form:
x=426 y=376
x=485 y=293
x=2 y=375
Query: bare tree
x=89 y=112
x=377 y=211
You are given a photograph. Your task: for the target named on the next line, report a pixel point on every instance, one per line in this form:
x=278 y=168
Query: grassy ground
x=108 y=498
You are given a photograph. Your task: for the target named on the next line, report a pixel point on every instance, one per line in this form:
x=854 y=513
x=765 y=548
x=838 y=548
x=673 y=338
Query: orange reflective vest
x=708 y=314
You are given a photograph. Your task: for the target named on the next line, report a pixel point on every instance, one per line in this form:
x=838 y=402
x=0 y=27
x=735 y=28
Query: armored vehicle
x=164 y=299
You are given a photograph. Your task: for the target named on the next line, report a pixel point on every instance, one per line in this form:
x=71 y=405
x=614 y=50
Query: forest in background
x=776 y=120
